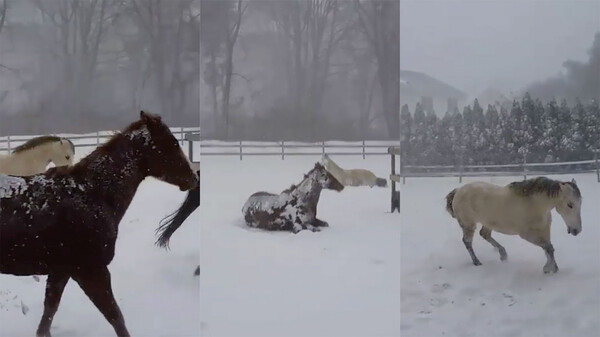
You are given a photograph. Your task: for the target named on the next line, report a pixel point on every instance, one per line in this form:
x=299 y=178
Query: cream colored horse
x=34 y=156
x=519 y=208
x=353 y=177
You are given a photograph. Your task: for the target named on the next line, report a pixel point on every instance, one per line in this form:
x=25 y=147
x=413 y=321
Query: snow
x=342 y=281
x=346 y=280
x=10 y=185
x=155 y=289
x=444 y=294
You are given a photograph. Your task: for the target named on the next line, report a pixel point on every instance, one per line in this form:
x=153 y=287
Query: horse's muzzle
x=573 y=231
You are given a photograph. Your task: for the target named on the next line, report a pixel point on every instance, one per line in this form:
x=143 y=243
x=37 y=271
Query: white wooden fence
x=289 y=148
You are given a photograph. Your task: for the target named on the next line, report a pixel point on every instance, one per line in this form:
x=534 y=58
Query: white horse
x=519 y=208
x=353 y=177
x=34 y=156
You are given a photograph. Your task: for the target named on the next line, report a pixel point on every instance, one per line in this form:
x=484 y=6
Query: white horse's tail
x=449 y=200
x=381 y=182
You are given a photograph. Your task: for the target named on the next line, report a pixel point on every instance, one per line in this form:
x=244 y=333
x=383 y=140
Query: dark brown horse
x=293 y=209
x=64 y=223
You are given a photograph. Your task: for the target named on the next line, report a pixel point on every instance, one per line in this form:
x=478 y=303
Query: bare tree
x=380 y=23
x=164 y=25
x=3 y=10
x=81 y=28
x=310 y=31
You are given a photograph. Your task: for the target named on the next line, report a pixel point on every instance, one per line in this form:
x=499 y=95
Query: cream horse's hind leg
x=544 y=242
x=468 y=231
x=486 y=233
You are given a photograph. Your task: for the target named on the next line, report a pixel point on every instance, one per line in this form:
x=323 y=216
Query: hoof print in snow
x=24 y=308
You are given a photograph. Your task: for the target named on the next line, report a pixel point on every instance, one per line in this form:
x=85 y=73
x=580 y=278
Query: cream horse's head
x=44 y=150
x=569 y=206
x=61 y=153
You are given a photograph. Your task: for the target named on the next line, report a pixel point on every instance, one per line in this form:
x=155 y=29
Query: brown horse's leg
x=486 y=233
x=55 y=284
x=320 y=223
x=95 y=282
x=468 y=232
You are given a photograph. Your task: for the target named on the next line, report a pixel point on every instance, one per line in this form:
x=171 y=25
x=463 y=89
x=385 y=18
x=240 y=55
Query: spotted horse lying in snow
x=294 y=209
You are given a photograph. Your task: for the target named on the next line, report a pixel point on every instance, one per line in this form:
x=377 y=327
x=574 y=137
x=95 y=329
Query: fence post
x=597 y=165
x=460 y=168
x=181 y=136
x=363 y=149
x=525 y=166
x=97 y=138
x=240 y=150
x=323 y=146
x=9 y=149
x=282 y=149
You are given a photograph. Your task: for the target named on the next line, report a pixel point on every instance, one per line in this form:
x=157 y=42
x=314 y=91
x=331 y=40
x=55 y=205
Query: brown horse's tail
x=172 y=222
x=449 y=200
x=381 y=182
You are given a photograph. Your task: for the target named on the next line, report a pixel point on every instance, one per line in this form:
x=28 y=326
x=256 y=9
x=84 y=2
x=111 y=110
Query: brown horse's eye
x=570 y=205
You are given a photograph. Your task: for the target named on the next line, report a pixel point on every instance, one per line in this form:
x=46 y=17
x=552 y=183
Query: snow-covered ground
x=155 y=289
x=444 y=294
x=342 y=281
x=371 y=273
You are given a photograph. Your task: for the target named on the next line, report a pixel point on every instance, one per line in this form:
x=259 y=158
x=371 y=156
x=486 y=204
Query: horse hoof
x=477 y=263
x=316 y=229
x=503 y=258
x=550 y=269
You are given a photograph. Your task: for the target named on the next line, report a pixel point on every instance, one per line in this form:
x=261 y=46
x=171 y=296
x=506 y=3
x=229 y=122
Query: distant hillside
x=414 y=85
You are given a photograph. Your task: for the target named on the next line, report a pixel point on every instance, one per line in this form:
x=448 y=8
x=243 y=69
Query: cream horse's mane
x=33 y=156
x=352 y=177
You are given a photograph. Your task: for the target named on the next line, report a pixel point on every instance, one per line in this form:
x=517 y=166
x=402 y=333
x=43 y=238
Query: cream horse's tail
x=449 y=202
x=354 y=177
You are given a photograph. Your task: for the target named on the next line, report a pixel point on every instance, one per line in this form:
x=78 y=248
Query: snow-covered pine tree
x=417 y=140
x=457 y=138
x=431 y=155
x=492 y=136
x=444 y=144
x=405 y=130
x=478 y=133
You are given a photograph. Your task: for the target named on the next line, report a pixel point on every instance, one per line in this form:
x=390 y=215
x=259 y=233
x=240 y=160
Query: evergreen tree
x=406 y=125
x=492 y=136
x=558 y=130
x=419 y=131
x=457 y=138
x=506 y=149
x=430 y=154
x=444 y=144
x=478 y=134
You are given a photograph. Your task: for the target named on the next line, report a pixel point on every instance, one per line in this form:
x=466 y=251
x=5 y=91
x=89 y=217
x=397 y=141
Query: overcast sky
x=508 y=44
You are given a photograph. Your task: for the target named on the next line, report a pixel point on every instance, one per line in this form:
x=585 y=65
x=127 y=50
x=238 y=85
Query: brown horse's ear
x=573 y=181
x=143 y=115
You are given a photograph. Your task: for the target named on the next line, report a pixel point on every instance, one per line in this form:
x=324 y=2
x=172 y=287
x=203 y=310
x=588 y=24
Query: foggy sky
x=506 y=44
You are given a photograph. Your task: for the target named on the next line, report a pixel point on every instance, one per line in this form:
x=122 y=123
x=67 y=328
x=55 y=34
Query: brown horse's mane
x=107 y=147
x=294 y=186
x=37 y=141
x=529 y=187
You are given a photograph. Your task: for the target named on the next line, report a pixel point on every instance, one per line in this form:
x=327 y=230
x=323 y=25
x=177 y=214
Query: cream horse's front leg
x=542 y=239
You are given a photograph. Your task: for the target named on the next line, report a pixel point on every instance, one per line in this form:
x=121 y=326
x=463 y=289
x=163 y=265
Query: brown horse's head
x=326 y=179
x=167 y=161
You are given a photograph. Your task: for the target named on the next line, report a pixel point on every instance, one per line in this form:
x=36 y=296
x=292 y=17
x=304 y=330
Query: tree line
x=528 y=130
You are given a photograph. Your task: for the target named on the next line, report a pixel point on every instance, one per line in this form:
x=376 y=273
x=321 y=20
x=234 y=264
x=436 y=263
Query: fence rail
x=523 y=169
x=93 y=139
x=283 y=148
